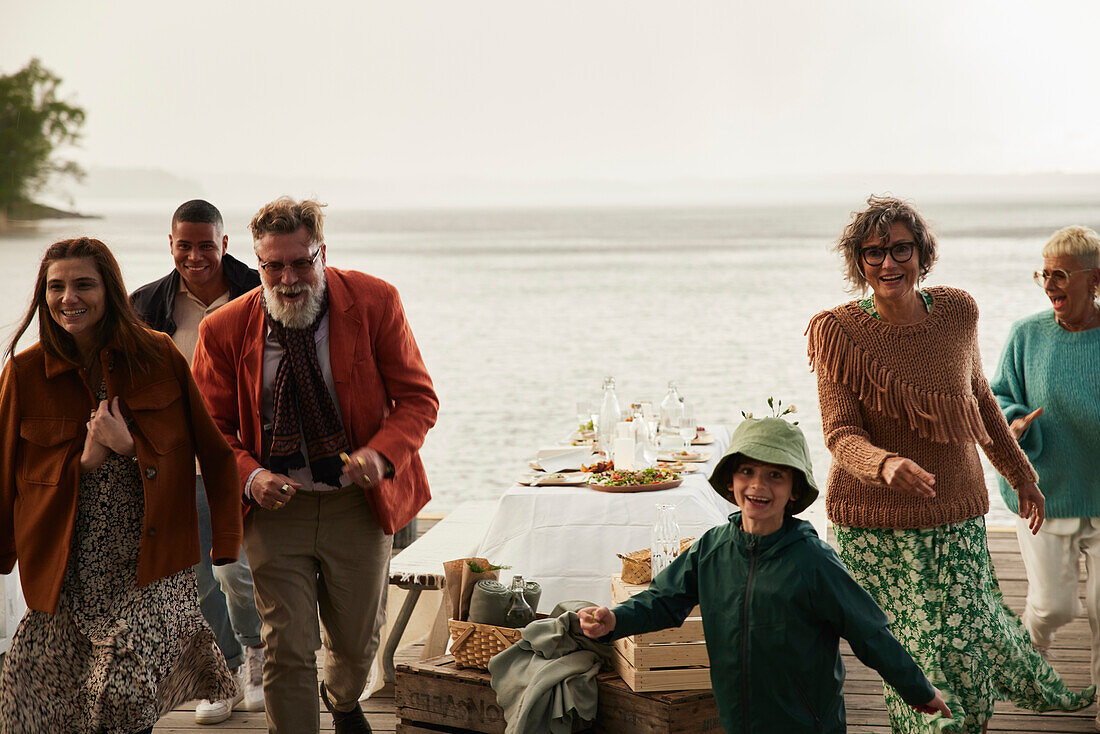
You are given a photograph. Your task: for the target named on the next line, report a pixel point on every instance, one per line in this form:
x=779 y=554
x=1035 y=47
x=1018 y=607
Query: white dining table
x=567 y=538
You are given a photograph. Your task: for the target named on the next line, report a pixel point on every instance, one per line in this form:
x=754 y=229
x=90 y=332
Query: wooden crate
x=673 y=659
x=650 y=656
x=433 y=696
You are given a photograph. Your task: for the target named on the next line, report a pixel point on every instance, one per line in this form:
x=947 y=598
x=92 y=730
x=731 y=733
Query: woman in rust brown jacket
x=100 y=424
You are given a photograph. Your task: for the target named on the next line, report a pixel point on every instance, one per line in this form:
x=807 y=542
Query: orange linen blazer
x=44 y=409
x=385 y=395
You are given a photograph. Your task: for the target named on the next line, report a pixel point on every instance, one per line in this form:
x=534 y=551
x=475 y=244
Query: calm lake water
x=520 y=313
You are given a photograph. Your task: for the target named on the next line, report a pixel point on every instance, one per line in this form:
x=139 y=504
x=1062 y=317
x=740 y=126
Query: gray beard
x=298 y=315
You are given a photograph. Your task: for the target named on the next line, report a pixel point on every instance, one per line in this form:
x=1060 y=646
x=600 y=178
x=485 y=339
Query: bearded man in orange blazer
x=316 y=382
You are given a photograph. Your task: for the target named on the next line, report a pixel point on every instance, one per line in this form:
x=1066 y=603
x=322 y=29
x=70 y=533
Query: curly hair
x=875 y=221
x=285 y=215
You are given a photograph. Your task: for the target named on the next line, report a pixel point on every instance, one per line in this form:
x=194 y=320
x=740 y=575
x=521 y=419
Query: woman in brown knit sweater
x=903 y=403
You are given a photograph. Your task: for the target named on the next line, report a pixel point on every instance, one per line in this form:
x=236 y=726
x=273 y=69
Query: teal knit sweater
x=1045 y=366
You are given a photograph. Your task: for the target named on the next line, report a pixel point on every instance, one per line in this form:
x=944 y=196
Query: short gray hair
x=1076 y=241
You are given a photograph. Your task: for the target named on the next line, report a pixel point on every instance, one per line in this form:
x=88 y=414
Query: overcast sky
x=541 y=91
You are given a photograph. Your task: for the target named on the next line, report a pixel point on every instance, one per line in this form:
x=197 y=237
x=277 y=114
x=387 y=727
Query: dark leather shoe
x=346 y=722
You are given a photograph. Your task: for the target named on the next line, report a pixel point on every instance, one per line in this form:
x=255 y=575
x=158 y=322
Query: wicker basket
x=636 y=565
x=474 y=643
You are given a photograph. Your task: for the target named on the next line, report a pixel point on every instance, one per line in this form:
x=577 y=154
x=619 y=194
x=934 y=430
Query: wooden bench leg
x=398 y=629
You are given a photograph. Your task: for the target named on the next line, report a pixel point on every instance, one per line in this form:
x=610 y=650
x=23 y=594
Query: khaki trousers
x=321 y=554
x=1051 y=560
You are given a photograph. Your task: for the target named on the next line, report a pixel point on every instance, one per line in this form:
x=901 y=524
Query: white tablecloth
x=566 y=538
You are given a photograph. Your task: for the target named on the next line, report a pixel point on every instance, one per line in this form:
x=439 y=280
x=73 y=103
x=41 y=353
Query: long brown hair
x=119 y=324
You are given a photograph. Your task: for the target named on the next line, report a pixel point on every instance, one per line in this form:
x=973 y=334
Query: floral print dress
x=938 y=587
x=114 y=657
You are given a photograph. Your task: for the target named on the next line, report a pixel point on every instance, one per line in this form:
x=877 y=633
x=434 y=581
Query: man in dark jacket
x=205 y=278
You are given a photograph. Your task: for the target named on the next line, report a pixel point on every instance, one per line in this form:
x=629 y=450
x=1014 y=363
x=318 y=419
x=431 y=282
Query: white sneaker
x=251 y=679
x=215 y=712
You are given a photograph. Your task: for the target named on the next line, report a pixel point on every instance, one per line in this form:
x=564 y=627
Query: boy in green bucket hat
x=775 y=599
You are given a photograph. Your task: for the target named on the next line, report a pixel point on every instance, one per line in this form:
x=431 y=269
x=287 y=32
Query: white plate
x=679 y=466
x=693 y=457
x=557 y=479
x=702 y=439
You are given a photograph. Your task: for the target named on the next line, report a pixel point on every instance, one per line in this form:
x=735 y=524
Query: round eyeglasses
x=300 y=266
x=899 y=253
x=1058 y=278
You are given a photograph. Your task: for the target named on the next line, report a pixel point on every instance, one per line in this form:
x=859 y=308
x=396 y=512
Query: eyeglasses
x=899 y=253
x=301 y=266
x=1058 y=278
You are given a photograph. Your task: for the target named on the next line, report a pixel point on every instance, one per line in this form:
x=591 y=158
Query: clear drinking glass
x=665 y=539
x=687 y=426
x=584 y=415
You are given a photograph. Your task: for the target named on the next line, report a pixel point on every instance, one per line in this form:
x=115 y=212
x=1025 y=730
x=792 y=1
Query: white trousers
x=1051 y=560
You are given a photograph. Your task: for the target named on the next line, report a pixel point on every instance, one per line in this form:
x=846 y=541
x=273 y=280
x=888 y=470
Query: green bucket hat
x=773 y=441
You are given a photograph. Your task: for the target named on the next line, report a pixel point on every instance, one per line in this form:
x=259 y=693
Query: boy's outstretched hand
x=596 y=621
x=936 y=705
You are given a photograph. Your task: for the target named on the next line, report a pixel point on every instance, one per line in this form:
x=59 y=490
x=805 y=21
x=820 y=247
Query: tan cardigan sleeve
x=845 y=436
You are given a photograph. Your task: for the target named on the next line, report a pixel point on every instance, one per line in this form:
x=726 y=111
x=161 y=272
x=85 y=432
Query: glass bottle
x=610 y=415
x=646 y=451
x=671 y=409
x=519 y=613
x=665 y=544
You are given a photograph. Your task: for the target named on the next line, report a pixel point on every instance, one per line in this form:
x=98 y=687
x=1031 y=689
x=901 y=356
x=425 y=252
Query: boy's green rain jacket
x=774 y=608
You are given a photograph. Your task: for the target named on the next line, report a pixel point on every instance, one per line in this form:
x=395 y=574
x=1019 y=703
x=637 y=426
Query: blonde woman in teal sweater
x=1047 y=387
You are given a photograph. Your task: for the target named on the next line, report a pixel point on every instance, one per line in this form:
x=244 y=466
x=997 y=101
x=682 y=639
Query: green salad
x=623 y=478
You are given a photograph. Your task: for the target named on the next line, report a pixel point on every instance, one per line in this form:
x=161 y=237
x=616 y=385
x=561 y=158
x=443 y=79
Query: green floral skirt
x=938 y=587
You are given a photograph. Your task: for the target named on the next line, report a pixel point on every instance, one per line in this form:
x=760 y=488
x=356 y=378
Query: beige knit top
x=914 y=391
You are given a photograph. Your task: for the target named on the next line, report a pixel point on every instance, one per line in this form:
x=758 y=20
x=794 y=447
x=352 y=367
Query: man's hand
x=364 y=467
x=1032 y=506
x=936 y=705
x=1019 y=426
x=906 y=475
x=596 y=621
x=271 y=491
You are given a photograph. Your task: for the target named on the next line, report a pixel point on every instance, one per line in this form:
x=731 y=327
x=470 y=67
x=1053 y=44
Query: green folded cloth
x=572 y=605
x=491 y=599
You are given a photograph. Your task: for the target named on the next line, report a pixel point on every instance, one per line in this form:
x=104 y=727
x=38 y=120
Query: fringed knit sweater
x=914 y=391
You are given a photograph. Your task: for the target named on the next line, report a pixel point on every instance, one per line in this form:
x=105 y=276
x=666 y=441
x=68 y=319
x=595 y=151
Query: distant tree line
x=34 y=122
